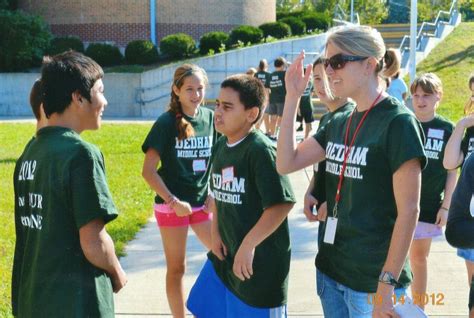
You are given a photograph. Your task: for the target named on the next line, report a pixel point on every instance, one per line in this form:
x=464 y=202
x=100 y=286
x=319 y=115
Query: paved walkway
x=144 y=295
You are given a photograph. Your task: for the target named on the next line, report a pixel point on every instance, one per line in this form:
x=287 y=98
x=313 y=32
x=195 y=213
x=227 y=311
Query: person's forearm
x=286 y=149
x=99 y=249
x=270 y=220
x=453 y=155
x=157 y=184
x=449 y=188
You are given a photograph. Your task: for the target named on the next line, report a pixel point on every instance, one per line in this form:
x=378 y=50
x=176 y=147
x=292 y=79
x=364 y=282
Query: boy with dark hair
x=36 y=104
x=276 y=83
x=65 y=263
x=246 y=274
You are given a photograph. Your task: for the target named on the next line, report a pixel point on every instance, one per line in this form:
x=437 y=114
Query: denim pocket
x=360 y=304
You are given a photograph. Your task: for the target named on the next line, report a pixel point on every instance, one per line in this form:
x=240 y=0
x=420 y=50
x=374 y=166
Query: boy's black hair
x=251 y=91
x=64 y=74
x=36 y=98
x=279 y=62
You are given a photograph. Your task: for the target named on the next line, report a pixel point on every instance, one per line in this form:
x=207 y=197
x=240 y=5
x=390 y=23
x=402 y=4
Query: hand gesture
x=182 y=208
x=217 y=246
x=308 y=204
x=243 y=261
x=295 y=79
x=119 y=280
x=322 y=212
x=441 y=217
x=209 y=204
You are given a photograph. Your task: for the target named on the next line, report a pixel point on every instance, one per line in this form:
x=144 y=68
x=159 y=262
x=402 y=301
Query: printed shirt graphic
x=245 y=182
x=262 y=76
x=60 y=186
x=467 y=145
x=433 y=178
x=389 y=137
x=184 y=163
x=276 y=83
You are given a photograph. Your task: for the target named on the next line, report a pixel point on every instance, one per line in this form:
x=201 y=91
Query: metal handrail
x=422 y=32
x=340 y=14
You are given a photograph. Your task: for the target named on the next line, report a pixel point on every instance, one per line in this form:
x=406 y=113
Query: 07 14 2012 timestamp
x=433 y=299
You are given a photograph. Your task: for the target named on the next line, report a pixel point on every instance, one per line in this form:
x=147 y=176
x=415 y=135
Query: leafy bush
x=213 y=41
x=277 y=30
x=141 y=52
x=23 y=40
x=177 y=45
x=104 y=54
x=297 y=26
x=316 y=21
x=467 y=10
x=62 y=44
x=287 y=14
x=245 y=34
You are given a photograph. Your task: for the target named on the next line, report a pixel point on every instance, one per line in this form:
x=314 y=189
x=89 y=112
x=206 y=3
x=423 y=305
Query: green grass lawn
x=453 y=62
x=121 y=145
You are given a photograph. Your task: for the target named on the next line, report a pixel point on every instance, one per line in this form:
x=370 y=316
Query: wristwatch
x=388 y=278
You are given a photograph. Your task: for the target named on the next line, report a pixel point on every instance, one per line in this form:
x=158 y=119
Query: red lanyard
x=347 y=150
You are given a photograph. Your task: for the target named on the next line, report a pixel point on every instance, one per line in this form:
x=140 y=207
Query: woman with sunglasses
x=374 y=156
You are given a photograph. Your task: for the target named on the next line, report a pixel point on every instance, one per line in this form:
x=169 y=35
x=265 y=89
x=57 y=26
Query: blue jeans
x=340 y=301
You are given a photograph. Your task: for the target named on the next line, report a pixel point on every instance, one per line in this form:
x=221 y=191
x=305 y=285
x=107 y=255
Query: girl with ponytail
x=179 y=144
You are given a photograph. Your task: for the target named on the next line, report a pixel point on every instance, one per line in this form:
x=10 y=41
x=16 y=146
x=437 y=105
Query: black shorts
x=306 y=113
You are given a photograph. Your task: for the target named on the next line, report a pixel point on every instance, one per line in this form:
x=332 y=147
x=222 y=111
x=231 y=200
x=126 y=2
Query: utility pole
x=413 y=40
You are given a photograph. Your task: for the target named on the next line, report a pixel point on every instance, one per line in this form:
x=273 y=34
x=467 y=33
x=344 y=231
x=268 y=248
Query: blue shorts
x=466 y=253
x=210 y=298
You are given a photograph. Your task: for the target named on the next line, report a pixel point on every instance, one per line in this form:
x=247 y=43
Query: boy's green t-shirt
x=467 y=144
x=184 y=163
x=244 y=182
x=276 y=83
x=306 y=102
x=433 y=178
x=367 y=211
x=60 y=186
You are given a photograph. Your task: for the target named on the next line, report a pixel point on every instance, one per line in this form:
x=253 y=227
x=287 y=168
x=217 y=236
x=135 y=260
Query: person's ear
x=176 y=90
x=77 y=98
x=252 y=114
x=372 y=64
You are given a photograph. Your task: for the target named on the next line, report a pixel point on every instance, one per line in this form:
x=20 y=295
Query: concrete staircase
x=393 y=33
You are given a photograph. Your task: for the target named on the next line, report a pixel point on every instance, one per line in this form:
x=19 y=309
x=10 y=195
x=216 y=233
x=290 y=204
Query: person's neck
x=67 y=119
x=41 y=123
x=364 y=98
x=232 y=139
x=336 y=104
x=190 y=111
x=424 y=118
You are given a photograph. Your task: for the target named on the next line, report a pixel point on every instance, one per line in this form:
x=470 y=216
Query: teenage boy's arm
x=152 y=158
x=310 y=201
x=453 y=155
x=270 y=220
x=98 y=248
x=406 y=189
x=290 y=157
x=442 y=216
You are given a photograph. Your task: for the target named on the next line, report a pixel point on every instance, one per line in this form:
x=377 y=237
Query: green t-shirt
x=367 y=211
x=306 y=102
x=262 y=76
x=245 y=182
x=467 y=144
x=276 y=83
x=183 y=162
x=433 y=178
x=60 y=186
x=319 y=189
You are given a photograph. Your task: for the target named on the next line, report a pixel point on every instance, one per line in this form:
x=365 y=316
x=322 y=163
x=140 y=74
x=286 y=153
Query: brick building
x=121 y=21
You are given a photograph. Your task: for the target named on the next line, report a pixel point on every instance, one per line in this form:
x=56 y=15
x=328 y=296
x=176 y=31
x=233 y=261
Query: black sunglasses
x=338 y=61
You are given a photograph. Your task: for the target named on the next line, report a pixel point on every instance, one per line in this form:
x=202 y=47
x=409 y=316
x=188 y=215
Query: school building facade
x=121 y=21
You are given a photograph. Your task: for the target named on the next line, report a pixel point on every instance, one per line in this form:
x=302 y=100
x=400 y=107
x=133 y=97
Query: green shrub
x=245 y=34
x=277 y=30
x=467 y=10
x=104 y=54
x=62 y=44
x=212 y=41
x=297 y=26
x=316 y=21
x=23 y=40
x=141 y=52
x=177 y=45
x=287 y=14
